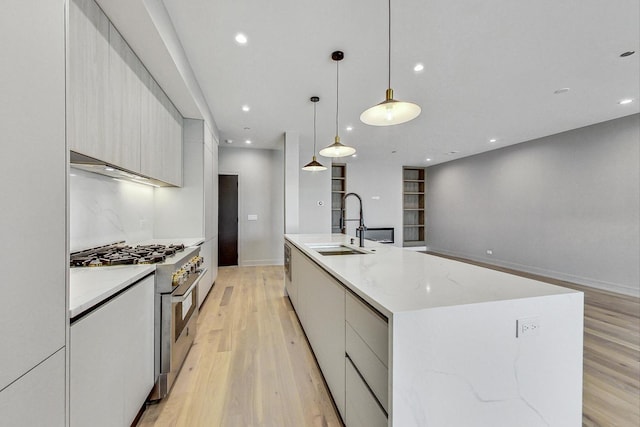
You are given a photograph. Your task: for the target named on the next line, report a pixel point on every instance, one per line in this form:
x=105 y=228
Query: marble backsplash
x=104 y=211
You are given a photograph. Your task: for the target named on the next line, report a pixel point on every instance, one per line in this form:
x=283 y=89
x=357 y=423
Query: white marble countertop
x=90 y=285
x=395 y=280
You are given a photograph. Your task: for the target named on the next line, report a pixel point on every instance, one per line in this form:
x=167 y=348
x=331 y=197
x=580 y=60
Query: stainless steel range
x=176 y=315
x=178 y=271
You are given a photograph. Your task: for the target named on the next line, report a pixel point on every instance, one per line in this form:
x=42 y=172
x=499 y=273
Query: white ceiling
x=491 y=68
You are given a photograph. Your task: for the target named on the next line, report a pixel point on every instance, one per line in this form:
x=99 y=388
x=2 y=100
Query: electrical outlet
x=527 y=327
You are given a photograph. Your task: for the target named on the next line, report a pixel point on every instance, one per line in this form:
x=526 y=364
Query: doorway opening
x=227 y=220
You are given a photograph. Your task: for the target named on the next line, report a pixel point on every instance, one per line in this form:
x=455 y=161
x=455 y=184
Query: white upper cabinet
x=161 y=135
x=117 y=111
x=123 y=102
x=88 y=79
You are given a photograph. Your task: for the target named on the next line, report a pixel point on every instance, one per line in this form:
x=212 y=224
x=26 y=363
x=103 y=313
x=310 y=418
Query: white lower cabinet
x=321 y=303
x=362 y=408
x=37 y=398
x=111 y=354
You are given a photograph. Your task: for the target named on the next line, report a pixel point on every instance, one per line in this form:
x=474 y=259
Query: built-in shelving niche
x=338 y=190
x=413 y=206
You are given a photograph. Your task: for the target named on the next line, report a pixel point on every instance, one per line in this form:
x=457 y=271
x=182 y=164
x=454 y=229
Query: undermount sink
x=336 y=249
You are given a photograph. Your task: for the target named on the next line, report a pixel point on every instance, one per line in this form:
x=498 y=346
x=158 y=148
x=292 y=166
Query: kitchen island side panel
x=464 y=365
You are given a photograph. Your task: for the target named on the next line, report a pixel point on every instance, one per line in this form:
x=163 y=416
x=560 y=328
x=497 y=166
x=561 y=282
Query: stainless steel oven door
x=179 y=312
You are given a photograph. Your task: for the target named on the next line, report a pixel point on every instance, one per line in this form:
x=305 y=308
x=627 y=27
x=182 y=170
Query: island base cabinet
x=321 y=309
x=111 y=358
x=362 y=409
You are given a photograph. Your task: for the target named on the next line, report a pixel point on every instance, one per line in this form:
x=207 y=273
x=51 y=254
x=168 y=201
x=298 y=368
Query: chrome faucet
x=343 y=227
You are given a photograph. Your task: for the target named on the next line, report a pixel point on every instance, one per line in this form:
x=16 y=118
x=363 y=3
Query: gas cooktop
x=122 y=254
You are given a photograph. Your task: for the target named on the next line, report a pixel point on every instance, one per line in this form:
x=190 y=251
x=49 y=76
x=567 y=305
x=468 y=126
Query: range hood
x=89 y=164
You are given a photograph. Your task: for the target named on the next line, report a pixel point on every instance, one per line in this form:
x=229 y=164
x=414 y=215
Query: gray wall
x=314 y=187
x=565 y=206
x=260 y=192
x=379 y=183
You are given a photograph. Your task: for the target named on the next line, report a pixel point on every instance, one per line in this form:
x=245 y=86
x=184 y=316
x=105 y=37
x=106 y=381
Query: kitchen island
x=409 y=339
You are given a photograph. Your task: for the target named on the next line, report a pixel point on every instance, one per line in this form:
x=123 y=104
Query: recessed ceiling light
x=109 y=169
x=349 y=128
x=354 y=155
x=428 y=160
x=625 y=101
x=229 y=141
x=451 y=153
x=248 y=141
x=627 y=53
x=247 y=128
x=241 y=38
x=394 y=152
x=492 y=140
x=561 y=90
x=418 y=67
x=245 y=108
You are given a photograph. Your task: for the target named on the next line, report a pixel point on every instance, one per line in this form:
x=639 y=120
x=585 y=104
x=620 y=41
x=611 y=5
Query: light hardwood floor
x=251 y=364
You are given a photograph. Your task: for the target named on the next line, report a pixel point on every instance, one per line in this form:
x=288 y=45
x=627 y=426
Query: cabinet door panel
x=123 y=112
x=88 y=59
x=373 y=371
x=207 y=281
x=208 y=191
x=161 y=135
x=111 y=353
x=370 y=326
x=36 y=399
x=322 y=300
x=362 y=408
x=151 y=133
x=33 y=224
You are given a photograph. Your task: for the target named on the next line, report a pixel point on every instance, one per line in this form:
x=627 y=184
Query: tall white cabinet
x=192 y=211
x=33 y=322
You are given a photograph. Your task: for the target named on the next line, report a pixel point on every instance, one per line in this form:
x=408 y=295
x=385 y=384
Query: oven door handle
x=184 y=295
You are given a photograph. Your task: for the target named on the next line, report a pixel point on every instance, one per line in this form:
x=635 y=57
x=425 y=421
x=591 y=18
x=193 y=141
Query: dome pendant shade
x=390 y=112
x=337 y=149
x=314 y=166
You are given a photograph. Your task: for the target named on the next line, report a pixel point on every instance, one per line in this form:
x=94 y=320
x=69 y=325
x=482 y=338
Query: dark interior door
x=227 y=220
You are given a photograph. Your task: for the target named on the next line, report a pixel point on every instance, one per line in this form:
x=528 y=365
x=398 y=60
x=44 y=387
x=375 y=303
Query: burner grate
x=121 y=254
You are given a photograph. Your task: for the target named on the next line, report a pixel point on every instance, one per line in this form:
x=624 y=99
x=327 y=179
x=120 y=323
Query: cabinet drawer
x=373 y=329
x=369 y=365
x=362 y=409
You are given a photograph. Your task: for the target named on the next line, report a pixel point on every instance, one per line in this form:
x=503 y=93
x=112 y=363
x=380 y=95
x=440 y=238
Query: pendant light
x=390 y=111
x=314 y=165
x=337 y=149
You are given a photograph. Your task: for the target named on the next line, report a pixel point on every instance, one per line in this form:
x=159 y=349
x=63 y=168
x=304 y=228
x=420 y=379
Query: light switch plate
x=252 y=217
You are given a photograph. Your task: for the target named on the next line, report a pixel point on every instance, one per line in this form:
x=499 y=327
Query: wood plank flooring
x=251 y=364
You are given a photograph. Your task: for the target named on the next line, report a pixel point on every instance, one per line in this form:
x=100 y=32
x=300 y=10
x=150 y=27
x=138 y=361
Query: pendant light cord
x=389 y=86
x=314 y=128
x=337 y=92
